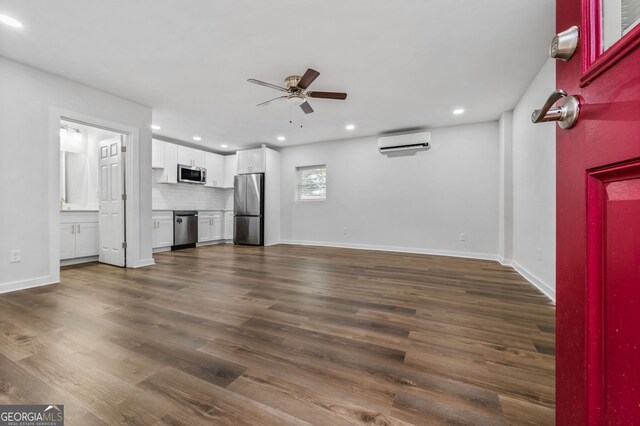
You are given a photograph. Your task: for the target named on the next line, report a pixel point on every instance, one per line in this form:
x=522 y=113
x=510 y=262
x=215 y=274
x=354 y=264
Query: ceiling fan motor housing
x=292 y=81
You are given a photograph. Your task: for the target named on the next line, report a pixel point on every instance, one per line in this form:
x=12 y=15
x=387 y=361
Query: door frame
x=131 y=183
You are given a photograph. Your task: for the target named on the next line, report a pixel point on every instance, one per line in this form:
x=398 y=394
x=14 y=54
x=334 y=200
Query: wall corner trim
x=545 y=288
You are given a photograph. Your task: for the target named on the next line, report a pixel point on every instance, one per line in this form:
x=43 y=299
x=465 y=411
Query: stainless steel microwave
x=189 y=174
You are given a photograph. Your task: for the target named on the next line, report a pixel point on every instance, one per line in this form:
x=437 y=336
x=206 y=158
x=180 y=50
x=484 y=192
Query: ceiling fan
x=295 y=87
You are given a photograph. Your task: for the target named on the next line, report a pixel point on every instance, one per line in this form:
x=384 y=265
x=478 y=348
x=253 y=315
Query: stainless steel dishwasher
x=185 y=229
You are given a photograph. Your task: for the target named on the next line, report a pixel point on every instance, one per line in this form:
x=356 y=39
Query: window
x=311 y=183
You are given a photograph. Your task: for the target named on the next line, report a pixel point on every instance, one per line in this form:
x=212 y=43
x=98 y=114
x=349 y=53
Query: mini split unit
x=407 y=142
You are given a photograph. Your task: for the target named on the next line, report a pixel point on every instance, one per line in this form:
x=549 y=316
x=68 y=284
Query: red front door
x=598 y=218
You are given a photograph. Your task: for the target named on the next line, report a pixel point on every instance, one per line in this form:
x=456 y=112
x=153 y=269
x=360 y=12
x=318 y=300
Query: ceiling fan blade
x=327 y=95
x=263 y=83
x=308 y=78
x=271 y=100
x=306 y=107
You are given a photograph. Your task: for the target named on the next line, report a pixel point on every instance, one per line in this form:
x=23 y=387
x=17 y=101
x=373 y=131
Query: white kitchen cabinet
x=162 y=233
x=251 y=161
x=169 y=172
x=78 y=235
x=230 y=170
x=228 y=225
x=217 y=225
x=204 y=227
x=214 y=163
x=210 y=226
x=157 y=154
x=190 y=156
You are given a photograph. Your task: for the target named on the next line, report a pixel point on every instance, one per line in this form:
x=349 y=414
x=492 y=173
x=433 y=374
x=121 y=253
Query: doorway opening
x=92 y=194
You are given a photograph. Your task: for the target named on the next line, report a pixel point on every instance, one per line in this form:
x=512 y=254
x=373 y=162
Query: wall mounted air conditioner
x=406 y=142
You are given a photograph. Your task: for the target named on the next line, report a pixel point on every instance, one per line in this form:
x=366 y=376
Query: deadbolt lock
x=564 y=45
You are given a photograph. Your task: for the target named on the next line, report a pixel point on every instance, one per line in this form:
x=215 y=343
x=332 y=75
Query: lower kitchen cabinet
x=210 y=226
x=228 y=225
x=162 y=233
x=78 y=235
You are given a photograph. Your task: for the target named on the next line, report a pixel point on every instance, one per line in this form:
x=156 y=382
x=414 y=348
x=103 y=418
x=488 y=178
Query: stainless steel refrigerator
x=248 y=208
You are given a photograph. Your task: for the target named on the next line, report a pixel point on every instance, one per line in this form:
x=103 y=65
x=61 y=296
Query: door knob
x=566 y=115
x=564 y=45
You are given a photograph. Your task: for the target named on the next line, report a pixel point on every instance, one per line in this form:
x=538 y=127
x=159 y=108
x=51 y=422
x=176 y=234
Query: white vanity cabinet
x=78 y=234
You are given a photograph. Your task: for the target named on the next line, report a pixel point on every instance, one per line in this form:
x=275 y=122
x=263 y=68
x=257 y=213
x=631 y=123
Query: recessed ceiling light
x=8 y=20
x=155 y=127
x=458 y=111
x=224 y=145
x=350 y=126
x=281 y=138
x=197 y=138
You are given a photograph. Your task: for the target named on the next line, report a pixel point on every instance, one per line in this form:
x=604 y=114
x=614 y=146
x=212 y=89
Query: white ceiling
x=404 y=63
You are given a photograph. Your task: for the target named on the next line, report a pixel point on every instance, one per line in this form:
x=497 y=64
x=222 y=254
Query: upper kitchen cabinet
x=214 y=163
x=230 y=169
x=190 y=157
x=251 y=161
x=165 y=157
x=157 y=154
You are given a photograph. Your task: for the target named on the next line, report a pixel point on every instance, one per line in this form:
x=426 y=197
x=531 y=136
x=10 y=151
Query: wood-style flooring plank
x=235 y=335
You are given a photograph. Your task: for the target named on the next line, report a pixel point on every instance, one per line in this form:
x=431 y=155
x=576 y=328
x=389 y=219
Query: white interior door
x=111 y=222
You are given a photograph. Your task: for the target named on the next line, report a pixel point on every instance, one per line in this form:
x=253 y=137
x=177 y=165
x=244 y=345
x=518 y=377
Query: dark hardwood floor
x=283 y=335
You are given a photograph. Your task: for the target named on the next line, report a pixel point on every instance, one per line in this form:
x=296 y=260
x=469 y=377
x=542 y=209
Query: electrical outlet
x=463 y=236
x=14 y=256
x=344 y=231
x=539 y=253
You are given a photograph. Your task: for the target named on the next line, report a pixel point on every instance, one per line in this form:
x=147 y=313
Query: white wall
x=29 y=140
x=272 y=192
x=505 y=186
x=417 y=203
x=534 y=186
x=184 y=196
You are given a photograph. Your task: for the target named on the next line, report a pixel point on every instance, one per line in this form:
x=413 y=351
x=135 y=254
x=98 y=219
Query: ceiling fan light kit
x=296 y=87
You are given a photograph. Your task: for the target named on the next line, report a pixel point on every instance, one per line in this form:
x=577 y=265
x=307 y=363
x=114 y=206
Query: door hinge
x=123 y=148
x=124 y=197
x=124 y=245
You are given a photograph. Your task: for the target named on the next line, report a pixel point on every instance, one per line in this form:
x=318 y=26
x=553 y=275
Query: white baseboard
x=505 y=262
x=25 y=284
x=78 y=260
x=414 y=250
x=213 y=243
x=160 y=249
x=535 y=281
x=144 y=262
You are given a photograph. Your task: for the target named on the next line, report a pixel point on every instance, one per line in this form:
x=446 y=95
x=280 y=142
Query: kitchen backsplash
x=185 y=196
